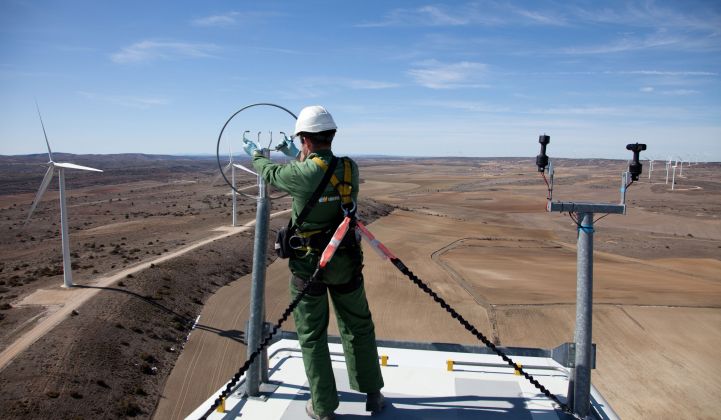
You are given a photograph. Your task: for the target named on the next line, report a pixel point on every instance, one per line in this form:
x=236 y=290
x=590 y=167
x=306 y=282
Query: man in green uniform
x=342 y=277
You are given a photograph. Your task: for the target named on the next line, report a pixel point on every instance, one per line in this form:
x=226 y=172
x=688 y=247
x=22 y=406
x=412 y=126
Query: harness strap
x=344 y=188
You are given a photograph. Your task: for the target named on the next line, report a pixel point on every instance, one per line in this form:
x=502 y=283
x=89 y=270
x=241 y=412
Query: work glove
x=249 y=147
x=288 y=148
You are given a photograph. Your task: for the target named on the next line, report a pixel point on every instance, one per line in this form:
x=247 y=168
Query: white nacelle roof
x=418 y=385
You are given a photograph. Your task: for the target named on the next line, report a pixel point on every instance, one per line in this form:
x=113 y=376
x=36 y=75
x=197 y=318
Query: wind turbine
x=668 y=165
x=650 y=171
x=232 y=167
x=61 y=167
x=673 y=180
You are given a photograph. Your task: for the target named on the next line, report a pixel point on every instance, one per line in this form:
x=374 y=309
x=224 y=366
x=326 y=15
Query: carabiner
x=351 y=212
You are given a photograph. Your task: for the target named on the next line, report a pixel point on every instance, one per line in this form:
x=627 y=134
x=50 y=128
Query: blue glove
x=249 y=147
x=288 y=148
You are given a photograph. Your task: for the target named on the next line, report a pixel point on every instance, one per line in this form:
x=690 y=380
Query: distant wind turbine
x=60 y=166
x=673 y=180
x=232 y=179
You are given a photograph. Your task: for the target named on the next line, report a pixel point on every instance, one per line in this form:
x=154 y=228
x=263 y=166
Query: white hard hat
x=314 y=119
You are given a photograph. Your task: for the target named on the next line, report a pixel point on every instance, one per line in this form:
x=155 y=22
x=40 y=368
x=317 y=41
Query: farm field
x=154 y=250
x=478 y=234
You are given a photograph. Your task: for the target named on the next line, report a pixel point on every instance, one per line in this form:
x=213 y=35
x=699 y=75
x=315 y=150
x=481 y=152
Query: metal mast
x=257 y=374
x=579 y=384
x=257 y=288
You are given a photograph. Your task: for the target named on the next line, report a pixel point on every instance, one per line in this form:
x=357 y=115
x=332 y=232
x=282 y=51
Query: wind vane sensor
x=542 y=158
x=635 y=168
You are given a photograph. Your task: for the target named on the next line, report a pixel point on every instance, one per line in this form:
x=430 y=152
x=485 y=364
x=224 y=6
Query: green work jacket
x=300 y=179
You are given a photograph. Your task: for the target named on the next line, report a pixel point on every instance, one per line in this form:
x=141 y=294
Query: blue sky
x=404 y=78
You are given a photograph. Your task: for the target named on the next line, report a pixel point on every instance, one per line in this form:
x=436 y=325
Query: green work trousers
x=357 y=334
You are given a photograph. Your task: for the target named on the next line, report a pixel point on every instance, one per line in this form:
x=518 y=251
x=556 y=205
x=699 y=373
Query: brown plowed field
x=478 y=234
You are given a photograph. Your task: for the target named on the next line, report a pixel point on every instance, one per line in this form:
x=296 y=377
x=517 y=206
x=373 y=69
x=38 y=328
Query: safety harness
x=344 y=188
x=316 y=240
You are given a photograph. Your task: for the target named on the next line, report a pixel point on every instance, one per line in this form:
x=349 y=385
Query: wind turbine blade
x=50 y=153
x=74 y=166
x=220 y=176
x=239 y=166
x=43 y=186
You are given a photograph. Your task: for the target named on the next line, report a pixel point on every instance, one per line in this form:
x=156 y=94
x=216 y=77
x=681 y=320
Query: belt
x=317 y=240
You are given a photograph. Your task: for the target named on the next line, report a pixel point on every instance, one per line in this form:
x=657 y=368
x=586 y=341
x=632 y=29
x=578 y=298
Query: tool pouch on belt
x=282 y=238
x=282 y=247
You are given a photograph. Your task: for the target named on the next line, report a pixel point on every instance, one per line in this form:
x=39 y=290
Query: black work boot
x=375 y=401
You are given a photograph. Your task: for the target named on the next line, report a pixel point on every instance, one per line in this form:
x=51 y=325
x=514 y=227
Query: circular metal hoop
x=220 y=136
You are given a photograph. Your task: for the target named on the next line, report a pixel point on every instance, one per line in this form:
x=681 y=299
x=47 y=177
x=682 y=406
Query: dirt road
x=65 y=301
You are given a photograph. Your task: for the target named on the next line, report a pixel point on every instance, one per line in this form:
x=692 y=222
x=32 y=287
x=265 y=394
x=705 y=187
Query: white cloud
x=641 y=114
x=226 y=19
x=364 y=84
x=671 y=92
x=233 y=18
x=629 y=43
x=315 y=87
x=649 y=14
x=675 y=29
x=470 y=106
x=435 y=15
x=436 y=75
x=129 y=101
x=679 y=92
x=486 y=13
x=664 y=73
x=161 y=50
x=542 y=18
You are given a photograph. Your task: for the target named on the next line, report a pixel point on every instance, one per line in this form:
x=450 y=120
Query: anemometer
x=258 y=371
x=635 y=168
x=265 y=150
x=542 y=158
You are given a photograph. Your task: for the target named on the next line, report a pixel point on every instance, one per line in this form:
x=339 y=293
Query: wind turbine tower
x=232 y=182
x=61 y=167
x=673 y=180
x=650 y=170
x=232 y=177
x=668 y=165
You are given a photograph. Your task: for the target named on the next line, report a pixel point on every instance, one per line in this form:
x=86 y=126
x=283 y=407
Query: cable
x=578 y=224
x=594 y=222
x=266 y=341
x=548 y=186
x=473 y=330
x=425 y=288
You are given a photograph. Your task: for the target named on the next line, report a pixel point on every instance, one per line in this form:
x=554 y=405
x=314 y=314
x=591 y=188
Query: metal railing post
x=257 y=288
